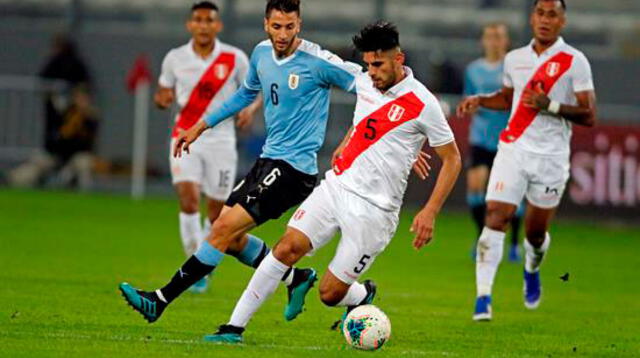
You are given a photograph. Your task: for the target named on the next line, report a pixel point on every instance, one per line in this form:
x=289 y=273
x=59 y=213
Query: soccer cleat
x=368 y=299
x=483 y=309
x=226 y=334
x=146 y=303
x=200 y=286
x=514 y=253
x=532 y=290
x=296 y=294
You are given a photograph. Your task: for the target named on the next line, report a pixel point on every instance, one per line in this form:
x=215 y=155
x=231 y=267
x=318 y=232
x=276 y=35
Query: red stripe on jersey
x=547 y=75
x=374 y=126
x=208 y=86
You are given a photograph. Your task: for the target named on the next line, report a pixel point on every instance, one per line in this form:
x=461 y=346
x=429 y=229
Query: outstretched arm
x=424 y=222
x=241 y=99
x=500 y=101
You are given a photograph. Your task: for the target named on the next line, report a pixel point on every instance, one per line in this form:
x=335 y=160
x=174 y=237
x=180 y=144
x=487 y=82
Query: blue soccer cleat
x=297 y=293
x=532 y=290
x=146 y=303
x=226 y=334
x=514 y=253
x=482 y=310
x=200 y=286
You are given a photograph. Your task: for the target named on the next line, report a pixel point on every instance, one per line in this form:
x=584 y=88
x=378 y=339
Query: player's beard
x=281 y=53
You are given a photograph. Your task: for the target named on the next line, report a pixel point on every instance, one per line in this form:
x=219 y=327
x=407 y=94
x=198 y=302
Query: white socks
x=533 y=256
x=263 y=283
x=357 y=292
x=206 y=229
x=488 y=257
x=190 y=232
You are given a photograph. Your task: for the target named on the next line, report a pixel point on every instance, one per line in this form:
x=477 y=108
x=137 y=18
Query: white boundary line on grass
x=60 y=335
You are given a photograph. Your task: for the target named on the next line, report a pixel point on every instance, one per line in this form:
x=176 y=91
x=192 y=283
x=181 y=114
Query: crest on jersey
x=294 y=80
x=553 y=68
x=221 y=70
x=395 y=113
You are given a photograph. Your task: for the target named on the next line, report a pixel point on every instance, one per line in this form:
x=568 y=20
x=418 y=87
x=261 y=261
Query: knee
x=189 y=204
x=288 y=251
x=536 y=236
x=329 y=296
x=497 y=218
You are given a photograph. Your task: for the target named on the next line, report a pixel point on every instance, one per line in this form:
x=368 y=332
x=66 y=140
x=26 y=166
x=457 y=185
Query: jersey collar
x=400 y=86
x=559 y=43
x=212 y=55
x=281 y=62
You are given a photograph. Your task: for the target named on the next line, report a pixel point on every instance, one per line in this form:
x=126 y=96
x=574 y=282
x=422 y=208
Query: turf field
x=62 y=256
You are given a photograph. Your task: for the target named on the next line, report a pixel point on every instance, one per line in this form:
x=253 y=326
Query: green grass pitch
x=62 y=256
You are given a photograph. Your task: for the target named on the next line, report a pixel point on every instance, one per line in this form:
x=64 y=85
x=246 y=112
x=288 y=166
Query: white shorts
x=213 y=166
x=366 y=229
x=516 y=174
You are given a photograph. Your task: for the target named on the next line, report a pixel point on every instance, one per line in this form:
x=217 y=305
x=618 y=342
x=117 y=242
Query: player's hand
x=245 y=119
x=421 y=166
x=185 y=138
x=336 y=154
x=535 y=98
x=469 y=105
x=422 y=226
x=163 y=98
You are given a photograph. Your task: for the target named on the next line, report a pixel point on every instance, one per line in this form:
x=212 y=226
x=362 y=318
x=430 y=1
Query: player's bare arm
x=185 y=138
x=584 y=113
x=164 y=97
x=499 y=101
x=246 y=116
x=424 y=222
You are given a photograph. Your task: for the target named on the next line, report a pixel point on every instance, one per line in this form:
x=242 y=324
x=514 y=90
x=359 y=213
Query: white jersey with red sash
x=562 y=71
x=389 y=130
x=203 y=84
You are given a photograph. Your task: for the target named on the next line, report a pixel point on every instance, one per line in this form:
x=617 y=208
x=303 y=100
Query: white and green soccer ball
x=366 y=327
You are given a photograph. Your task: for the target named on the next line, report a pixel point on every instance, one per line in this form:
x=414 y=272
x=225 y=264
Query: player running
x=363 y=193
x=484 y=75
x=548 y=86
x=202 y=74
x=296 y=77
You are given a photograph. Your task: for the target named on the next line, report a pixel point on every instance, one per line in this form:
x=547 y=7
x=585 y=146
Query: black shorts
x=481 y=157
x=271 y=188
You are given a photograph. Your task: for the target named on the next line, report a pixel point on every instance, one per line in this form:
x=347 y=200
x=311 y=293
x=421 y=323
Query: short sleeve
x=252 y=81
x=242 y=63
x=581 y=74
x=336 y=72
x=434 y=124
x=507 y=80
x=469 y=87
x=167 y=77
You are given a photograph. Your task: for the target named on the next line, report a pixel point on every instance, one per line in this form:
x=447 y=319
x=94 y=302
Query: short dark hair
x=380 y=35
x=285 y=6
x=564 y=5
x=207 y=5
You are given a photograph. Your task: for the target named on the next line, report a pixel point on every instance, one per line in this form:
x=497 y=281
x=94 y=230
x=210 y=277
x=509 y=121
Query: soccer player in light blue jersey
x=295 y=77
x=484 y=75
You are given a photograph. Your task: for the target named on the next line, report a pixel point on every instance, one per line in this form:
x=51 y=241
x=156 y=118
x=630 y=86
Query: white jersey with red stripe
x=389 y=129
x=202 y=84
x=562 y=71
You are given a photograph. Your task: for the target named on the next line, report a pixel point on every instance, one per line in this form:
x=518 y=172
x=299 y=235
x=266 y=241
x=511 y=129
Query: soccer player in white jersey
x=548 y=87
x=363 y=193
x=200 y=75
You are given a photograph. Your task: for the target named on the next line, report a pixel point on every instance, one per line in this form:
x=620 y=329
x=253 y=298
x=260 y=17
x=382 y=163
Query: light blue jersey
x=296 y=93
x=481 y=78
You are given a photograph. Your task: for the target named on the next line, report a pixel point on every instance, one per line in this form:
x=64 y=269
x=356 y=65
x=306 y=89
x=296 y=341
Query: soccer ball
x=366 y=327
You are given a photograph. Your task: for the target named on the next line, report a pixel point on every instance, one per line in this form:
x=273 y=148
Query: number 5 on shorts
x=363 y=263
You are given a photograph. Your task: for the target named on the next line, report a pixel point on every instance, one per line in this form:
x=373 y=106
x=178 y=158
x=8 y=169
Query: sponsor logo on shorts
x=299 y=214
x=499 y=186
